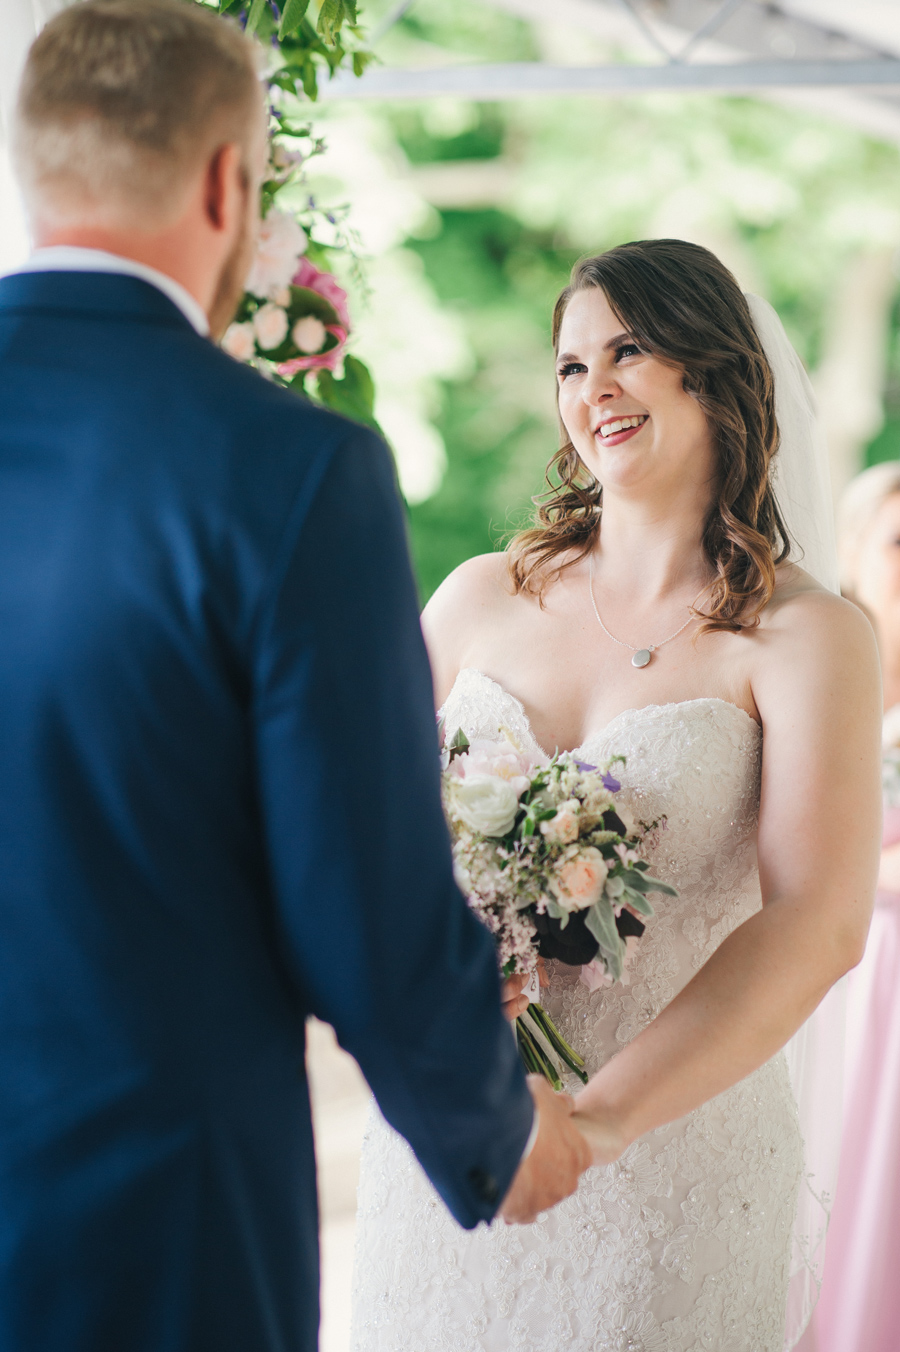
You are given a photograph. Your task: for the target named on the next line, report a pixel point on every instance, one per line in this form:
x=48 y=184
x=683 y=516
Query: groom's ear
x=225 y=187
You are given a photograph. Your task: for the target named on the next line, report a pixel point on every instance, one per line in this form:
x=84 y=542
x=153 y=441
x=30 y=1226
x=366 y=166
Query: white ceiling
x=873 y=21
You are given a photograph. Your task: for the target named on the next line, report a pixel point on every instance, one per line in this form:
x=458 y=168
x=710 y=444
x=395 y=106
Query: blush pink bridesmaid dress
x=859 y=1308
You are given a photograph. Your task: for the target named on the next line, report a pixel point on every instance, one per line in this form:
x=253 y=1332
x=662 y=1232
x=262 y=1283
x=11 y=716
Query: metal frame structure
x=520 y=79
x=825 y=54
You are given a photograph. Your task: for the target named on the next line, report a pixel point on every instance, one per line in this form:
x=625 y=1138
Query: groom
x=219 y=808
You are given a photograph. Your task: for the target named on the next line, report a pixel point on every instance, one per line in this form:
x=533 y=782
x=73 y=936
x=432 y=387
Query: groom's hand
x=559 y=1158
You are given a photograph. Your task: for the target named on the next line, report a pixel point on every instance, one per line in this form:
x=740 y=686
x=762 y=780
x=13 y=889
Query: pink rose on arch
x=324 y=284
x=279 y=246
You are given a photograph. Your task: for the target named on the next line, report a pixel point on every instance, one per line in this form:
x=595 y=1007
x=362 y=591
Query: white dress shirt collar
x=69 y=258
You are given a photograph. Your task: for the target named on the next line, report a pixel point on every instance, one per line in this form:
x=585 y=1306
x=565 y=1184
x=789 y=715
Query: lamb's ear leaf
x=643 y=882
x=602 y=924
x=638 y=902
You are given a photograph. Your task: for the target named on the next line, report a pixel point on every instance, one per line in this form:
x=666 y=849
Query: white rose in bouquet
x=501 y=759
x=485 y=804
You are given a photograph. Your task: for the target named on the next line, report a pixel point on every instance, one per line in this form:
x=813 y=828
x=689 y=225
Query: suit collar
x=99 y=295
x=72 y=258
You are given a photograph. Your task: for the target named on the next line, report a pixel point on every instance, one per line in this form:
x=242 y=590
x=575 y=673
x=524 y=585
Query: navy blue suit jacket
x=219 y=813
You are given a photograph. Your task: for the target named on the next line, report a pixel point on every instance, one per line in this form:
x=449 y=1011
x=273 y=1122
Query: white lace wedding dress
x=682 y=1244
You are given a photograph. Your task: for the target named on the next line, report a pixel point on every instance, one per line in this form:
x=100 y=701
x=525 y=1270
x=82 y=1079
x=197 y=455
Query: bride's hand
x=514 y=1002
x=602 y=1132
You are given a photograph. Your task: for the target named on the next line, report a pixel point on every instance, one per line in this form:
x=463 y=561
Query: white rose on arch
x=280 y=245
x=270 y=324
x=486 y=804
x=239 y=342
x=309 y=335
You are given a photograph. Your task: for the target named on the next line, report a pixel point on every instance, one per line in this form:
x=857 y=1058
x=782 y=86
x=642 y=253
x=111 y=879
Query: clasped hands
x=568 y=1142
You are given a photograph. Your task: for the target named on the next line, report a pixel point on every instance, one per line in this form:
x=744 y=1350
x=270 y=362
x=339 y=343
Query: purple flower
x=610 y=783
x=584 y=767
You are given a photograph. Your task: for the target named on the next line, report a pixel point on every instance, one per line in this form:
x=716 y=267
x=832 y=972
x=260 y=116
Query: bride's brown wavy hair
x=682 y=305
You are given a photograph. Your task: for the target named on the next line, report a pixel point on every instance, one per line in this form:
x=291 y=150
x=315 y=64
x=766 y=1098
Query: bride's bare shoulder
x=475 y=596
x=809 y=635
x=470 y=596
x=802 y=606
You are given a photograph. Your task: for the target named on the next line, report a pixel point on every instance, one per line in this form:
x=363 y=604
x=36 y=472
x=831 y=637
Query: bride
x=653 y=611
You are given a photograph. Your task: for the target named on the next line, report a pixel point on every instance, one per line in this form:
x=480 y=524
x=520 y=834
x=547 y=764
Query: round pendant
x=641 y=657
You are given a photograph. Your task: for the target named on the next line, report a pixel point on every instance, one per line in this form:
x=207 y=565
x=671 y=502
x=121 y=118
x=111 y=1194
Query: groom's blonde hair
x=122 y=102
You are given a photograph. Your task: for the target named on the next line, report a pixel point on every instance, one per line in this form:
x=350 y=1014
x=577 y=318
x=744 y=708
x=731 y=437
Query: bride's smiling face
x=627 y=413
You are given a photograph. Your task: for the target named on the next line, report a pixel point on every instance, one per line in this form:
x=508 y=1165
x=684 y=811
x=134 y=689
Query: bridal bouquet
x=552 y=864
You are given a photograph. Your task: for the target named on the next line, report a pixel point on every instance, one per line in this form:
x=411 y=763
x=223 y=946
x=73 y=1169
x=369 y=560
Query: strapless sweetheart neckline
x=623 y=714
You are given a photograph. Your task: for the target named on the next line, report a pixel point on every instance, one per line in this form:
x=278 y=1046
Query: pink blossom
x=595 y=976
x=279 y=246
x=325 y=285
x=579 y=879
x=563 y=828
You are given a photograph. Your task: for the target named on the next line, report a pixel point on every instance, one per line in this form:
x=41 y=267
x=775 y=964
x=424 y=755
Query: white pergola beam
x=524 y=79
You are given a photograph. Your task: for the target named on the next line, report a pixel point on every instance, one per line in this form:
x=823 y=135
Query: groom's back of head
x=121 y=102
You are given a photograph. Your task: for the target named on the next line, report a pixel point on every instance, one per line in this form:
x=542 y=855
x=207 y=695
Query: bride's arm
x=818 y=692
x=464 y=605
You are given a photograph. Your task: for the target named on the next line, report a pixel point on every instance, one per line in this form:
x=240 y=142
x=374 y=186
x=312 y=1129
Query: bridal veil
x=815 y=1054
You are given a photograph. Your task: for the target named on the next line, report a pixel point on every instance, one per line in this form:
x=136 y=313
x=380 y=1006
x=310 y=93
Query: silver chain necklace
x=641 y=656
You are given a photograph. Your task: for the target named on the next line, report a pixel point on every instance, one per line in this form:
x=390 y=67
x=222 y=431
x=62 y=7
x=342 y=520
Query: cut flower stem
x=544 y=1050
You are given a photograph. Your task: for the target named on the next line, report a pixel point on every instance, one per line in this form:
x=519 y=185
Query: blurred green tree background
x=472 y=215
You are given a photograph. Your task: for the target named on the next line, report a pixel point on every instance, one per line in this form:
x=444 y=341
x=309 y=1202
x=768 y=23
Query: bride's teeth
x=609 y=429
